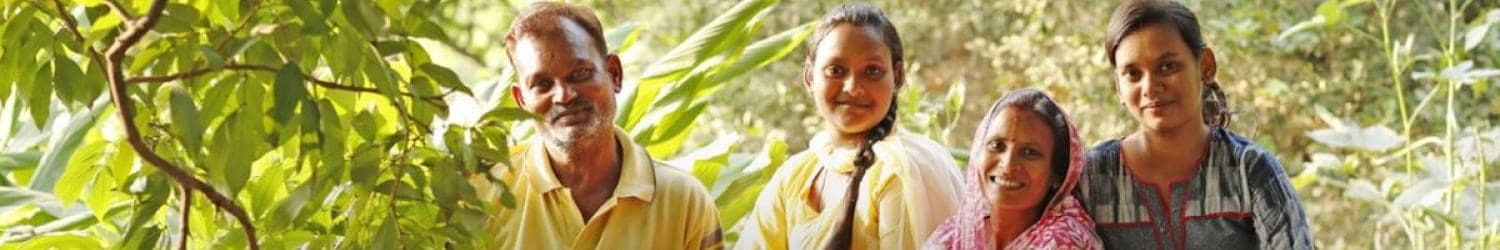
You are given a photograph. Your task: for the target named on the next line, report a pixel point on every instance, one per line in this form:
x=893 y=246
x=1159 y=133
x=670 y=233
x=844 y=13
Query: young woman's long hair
x=862 y=15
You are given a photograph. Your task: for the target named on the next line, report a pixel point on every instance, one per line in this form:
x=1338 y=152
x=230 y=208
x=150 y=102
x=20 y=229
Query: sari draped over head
x=1063 y=225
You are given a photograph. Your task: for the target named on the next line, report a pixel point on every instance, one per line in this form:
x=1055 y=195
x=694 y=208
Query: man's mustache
x=559 y=110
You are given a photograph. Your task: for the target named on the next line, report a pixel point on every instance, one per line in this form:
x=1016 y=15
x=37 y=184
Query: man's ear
x=1209 y=64
x=617 y=74
x=515 y=93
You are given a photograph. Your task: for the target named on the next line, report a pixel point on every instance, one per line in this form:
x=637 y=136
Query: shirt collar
x=637 y=172
x=841 y=160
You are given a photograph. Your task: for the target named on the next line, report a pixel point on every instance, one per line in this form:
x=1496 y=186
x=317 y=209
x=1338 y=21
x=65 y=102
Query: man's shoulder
x=676 y=181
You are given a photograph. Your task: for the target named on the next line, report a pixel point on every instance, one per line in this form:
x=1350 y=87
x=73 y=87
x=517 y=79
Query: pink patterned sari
x=1064 y=224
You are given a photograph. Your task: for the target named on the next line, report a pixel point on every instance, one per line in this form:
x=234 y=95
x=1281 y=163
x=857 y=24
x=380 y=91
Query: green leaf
x=12 y=161
x=403 y=190
x=69 y=80
x=292 y=208
x=62 y=241
x=243 y=149
x=102 y=26
x=365 y=18
x=389 y=48
x=382 y=76
x=622 y=36
x=509 y=114
x=448 y=186
x=215 y=61
x=343 y=59
x=225 y=13
x=289 y=91
x=39 y=95
x=1480 y=31
x=186 y=121
x=313 y=22
x=764 y=52
x=736 y=199
x=421 y=110
x=387 y=238
x=667 y=136
x=684 y=57
x=1331 y=12
x=101 y=194
x=178 y=18
x=333 y=134
x=445 y=77
x=82 y=169
x=368 y=124
x=152 y=193
x=706 y=162
x=11 y=197
x=55 y=161
x=219 y=96
x=365 y=164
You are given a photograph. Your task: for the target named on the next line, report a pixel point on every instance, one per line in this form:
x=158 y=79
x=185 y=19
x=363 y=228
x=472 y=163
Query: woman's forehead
x=853 y=42
x=1019 y=124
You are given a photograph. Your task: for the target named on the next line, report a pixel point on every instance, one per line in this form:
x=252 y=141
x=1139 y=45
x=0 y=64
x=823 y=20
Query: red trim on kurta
x=1166 y=198
x=1155 y=233
x=1187 y=192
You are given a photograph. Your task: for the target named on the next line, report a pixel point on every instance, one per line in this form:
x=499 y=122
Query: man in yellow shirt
x=581 y=183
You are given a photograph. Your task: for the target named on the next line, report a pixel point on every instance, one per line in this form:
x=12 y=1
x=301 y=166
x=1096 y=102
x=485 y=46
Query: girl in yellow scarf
x=862 y=183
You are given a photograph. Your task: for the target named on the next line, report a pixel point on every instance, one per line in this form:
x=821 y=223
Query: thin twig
x=187 y=206
x=436 y=100
x=119 y=92
x=119 y=8
x=72 y=27
x=244 y=22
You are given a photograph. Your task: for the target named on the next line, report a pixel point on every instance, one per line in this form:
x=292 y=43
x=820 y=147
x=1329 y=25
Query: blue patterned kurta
x=1238 y=199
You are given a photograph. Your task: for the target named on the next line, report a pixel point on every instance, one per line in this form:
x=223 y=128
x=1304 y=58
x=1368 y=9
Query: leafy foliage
x=354 y=124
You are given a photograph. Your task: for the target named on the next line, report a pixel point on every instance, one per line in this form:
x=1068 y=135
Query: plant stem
x=1386 y=11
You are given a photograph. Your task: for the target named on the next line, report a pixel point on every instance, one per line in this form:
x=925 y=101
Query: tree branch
x=119 y=92
x=436 y=100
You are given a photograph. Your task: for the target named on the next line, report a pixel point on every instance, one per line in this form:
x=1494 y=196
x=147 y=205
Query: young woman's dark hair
x=1037 y=102
x=862 y=15
x=1136 y=14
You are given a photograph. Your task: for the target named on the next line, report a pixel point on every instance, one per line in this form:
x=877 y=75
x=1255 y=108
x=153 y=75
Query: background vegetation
x=350 y=124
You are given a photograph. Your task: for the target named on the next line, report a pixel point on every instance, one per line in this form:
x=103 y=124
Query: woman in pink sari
x=1023 y=165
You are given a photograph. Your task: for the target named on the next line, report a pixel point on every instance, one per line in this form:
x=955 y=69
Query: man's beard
x=570 y=135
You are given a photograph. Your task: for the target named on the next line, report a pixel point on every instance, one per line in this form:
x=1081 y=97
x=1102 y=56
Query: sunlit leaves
x=313 y=21
x=55 y=161
x=72 y=86
x=445 y=77
x=289 y=91
x=661 y=110
x=185 y=119
x=178 y=18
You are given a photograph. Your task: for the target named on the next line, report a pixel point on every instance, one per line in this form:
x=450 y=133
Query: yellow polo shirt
x=654 y=206
x=912 y=187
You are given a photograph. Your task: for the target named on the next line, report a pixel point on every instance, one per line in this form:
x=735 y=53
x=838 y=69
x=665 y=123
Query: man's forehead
x=563 y=40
